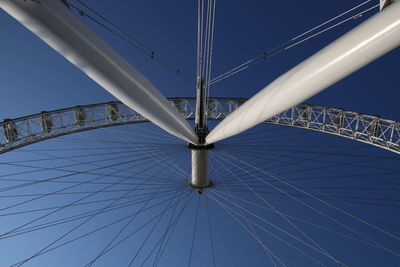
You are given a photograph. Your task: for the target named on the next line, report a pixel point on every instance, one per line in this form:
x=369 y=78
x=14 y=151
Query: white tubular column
x=200 y=169
x=52 y=21
x=200 y=179
x=370 y=40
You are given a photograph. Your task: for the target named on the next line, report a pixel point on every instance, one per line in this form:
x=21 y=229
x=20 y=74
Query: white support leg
x=365 y=43
x=54 y=23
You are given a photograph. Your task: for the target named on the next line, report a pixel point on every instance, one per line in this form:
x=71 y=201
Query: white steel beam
x=357 y=48
x=53 y=22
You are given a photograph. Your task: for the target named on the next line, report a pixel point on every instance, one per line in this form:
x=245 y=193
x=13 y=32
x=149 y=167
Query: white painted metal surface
x=53 y=22
x=368 y=41
x=200 y=168
x=384 y=3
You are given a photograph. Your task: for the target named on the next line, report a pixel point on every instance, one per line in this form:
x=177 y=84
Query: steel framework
x=16 y=133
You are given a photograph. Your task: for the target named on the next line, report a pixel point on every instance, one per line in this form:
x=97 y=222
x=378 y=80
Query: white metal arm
x=357 y=48
x=52 y=21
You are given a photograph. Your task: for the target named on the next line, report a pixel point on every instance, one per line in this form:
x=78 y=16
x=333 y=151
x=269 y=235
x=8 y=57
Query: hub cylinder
x=200 y=168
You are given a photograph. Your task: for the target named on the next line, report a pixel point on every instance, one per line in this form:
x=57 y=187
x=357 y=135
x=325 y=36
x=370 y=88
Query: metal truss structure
x=16 y=133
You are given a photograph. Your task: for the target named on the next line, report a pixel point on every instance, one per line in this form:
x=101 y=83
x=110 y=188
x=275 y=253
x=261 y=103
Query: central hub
x=200 y=164
x=201 y=147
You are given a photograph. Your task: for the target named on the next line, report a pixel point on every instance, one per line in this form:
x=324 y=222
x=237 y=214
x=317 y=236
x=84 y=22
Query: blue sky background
x=34 y=78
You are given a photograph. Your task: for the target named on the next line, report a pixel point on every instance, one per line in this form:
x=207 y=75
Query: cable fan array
x=143 y=176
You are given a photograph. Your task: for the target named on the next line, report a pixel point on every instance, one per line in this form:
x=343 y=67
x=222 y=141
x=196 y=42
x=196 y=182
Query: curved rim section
x=373 y=130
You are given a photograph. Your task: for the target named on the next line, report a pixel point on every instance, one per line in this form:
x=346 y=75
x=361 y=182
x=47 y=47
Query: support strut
x=200 y=152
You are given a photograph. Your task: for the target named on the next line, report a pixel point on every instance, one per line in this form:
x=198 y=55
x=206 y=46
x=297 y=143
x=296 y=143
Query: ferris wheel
x=101 y=185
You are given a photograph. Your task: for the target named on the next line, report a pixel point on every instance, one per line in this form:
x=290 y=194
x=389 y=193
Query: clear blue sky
x=34 y=78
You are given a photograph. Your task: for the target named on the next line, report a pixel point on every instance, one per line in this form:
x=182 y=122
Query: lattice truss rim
x=19 y=132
